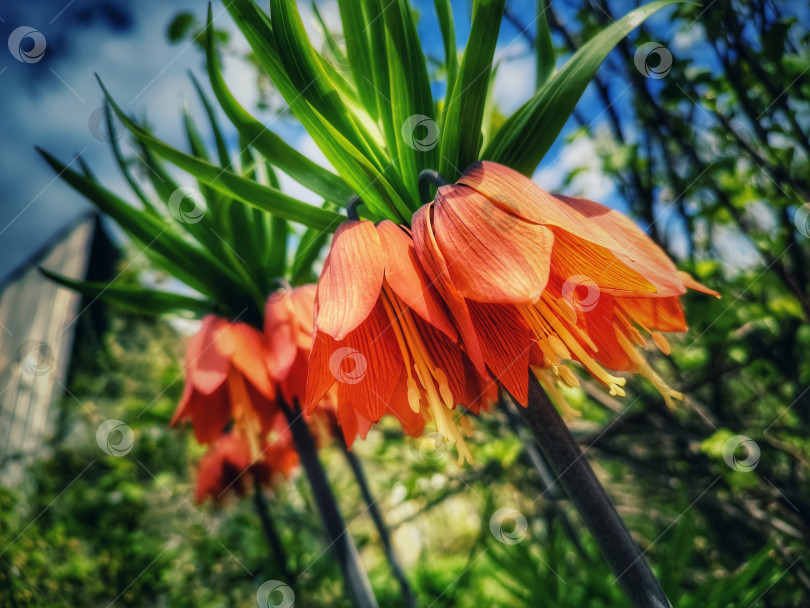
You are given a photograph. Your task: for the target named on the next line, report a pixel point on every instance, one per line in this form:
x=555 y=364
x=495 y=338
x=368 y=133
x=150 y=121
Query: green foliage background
x=726 y=151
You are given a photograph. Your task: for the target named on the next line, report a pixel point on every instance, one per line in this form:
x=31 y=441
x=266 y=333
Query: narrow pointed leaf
x=415 y=124
x=543 y=47
x=219 y=138
x=461 y=130
x=273 y=148
x=528 y=134
x=157 y=238
x=447 y=26
x=141 y=300
x=233 y=185
x=358 y=51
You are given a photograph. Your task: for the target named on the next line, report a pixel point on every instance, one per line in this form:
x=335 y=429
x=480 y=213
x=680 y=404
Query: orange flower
x=533 y=279
x=225 y=466
x=288 y=329
x=383 y=336
x=226 y=378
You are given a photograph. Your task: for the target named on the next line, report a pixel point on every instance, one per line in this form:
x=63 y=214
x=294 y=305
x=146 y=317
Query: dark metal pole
x=341 y=542
x=589 y=497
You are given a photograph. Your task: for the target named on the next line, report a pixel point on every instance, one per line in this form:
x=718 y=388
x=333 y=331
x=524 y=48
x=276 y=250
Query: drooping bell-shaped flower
x=384 y=337
x=230 y=465
x=288 y=331
x=534 y=279
x=226 y=378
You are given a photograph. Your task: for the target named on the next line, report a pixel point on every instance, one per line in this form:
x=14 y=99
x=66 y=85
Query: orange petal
x=432 y=260
x=183 y=411
x=408 y=280
x=663 y=314
x=351 y=279
x=412 y=423
x=280 y=334
x=446 y=355
x=294 y=386
x=505 y=343
x=366 y=366
x=249 y=357
x=209 y=414
x=590 y=221
x=636 y=250
x=577 y=258
x=352 y=424
x=303 y=299
x=691 y=283
x=491 y=255
x=480 y=391
x=208 y=357
x=520 y=196
x=598 y=322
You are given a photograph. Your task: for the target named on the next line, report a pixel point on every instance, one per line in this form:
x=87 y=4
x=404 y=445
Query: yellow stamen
x=574 y=346
x=432 y=386
x=661 y=342
x=246 y=422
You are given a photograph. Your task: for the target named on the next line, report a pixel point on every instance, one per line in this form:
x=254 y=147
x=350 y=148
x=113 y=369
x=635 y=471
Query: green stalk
x=340 y=541
x=270 y=532
x=589 y=497
x=376 y=516
x=538 y=462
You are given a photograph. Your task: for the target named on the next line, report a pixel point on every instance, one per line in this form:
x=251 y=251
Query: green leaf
x=447 y=26
x=180 y=26
x=543 y=47
x=195 y=267
x=305 y=70
x=364 y=174
x=308 y=250
x=279 y=232
x=219 y=138
x=122 y=163
x=141 y=300
x=374 y=27
x=528 y=134
x=358 y=51
x=410 y=98
x=233 y=185
x=273 y=148
x=461 y=130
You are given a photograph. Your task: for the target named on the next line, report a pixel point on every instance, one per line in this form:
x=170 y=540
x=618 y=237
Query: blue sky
x=49 y=103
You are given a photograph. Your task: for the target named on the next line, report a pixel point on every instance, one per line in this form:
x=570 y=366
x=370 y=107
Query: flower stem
x=340 y=540
x=589 y=497
x=379 y=522
x=270 y=532
x=552 y=490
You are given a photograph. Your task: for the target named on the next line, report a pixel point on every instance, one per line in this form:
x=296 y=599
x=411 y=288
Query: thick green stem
x=379 y=523
x=589 y=497
x=552 y=490
x=270 y=532
x=340 y=541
